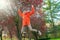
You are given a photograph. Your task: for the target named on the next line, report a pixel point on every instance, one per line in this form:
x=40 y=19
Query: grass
x=14 y=38
x=55 y=39
x=50 y=39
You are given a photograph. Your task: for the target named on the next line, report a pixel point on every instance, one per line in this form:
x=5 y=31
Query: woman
x=26 y=20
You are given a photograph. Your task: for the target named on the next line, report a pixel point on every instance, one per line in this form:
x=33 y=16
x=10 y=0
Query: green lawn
x=50 y=39
x=55 y=39
x=31 y=39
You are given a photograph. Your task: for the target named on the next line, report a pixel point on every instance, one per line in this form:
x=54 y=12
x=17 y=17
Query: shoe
x=23 y=34
x=39 y=33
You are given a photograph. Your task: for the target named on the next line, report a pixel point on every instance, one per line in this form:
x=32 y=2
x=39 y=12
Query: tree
x=51 y=9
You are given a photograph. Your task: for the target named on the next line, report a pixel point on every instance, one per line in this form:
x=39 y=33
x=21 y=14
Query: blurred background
x=46 y=19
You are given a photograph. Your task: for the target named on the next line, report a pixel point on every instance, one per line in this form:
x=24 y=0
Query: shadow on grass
x=44 y=39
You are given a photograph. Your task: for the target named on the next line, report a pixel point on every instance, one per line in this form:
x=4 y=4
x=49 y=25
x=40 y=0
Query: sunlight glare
x=3 y=4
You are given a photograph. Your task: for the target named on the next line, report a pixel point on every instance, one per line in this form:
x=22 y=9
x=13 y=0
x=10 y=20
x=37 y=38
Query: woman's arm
x=32 y=10
x=20 y=13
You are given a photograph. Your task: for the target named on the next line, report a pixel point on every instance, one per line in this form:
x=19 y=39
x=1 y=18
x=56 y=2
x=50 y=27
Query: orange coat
x=26 y=16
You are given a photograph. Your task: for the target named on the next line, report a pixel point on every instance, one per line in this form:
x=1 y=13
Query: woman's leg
x=30 y=28
x=23 y=30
